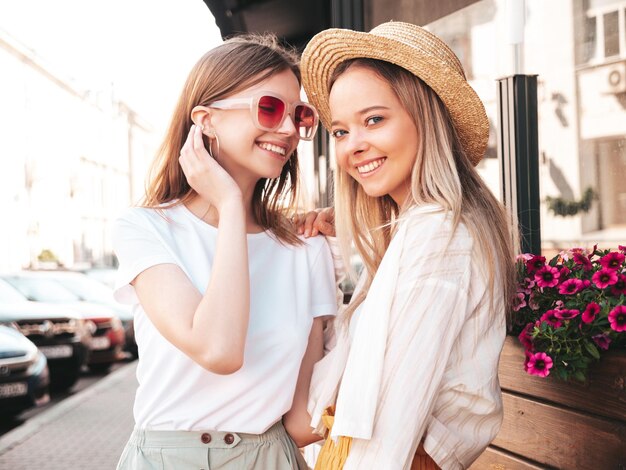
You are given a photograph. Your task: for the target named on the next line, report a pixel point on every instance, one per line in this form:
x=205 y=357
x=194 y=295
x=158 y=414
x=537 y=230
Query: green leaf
x=578 y=375
x=592 y=350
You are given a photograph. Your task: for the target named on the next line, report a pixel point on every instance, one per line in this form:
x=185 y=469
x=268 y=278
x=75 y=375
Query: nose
x=287 y=127
x=355 y=143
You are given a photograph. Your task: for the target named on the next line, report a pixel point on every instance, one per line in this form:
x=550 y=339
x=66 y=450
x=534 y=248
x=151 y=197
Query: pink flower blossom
x=617 y=318
x=564 y=272
x=530 y=283
x=621 y=248
x=525 y=338
x=519 y=301
x=619 y=287
x=547 y=276
x=524 y=257
x=571 y=286
x=591 y=312
x=535 y=263
x=567 y=314
x=602 y=340
x=551 y=319
x=527 y=355
x=582 y=260
x=532 y=302
x=559 y=304
x=612 y=260
x=604 y=278
x=539 y=364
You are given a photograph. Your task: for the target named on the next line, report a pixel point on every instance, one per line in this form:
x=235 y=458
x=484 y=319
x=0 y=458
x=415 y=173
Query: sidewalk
x=86 y=431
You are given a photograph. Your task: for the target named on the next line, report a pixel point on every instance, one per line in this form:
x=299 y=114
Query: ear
x=201 y=116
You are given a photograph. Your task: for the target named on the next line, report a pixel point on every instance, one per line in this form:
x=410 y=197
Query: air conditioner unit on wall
x=615 y=81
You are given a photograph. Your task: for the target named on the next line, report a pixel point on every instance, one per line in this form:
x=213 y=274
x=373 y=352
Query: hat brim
x=331 y=47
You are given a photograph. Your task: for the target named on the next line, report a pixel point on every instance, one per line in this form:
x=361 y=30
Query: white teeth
x=273 y=148
x=370 y=166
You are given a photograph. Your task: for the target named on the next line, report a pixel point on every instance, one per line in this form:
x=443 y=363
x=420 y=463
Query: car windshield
x=87 y=289
x=9 y=294
x=42 y=290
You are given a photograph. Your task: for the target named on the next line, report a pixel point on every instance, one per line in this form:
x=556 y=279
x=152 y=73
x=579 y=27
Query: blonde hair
x=233 y=66
x=441 y=174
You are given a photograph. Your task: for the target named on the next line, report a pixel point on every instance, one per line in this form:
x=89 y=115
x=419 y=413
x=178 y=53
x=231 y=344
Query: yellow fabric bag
x=332 y=456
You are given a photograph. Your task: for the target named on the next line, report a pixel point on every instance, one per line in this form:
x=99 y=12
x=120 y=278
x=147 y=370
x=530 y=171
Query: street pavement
x=86 y=431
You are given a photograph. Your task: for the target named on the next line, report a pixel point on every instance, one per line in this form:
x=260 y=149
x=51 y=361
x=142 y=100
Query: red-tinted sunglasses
x=269 y=111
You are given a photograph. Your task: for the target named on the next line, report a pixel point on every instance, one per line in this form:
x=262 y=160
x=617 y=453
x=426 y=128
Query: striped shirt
x=430 y=316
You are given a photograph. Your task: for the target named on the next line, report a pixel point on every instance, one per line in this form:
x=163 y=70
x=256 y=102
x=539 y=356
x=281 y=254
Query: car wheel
x=100 y=368
x=63 y=382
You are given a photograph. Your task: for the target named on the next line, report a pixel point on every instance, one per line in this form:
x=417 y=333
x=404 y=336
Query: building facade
x=72 y=158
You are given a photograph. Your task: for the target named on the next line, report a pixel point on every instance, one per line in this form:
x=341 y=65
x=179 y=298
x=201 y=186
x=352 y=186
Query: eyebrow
x=364 y=111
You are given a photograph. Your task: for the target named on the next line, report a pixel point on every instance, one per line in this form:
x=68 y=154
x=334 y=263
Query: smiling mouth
x=371 y=166
x=273 y=148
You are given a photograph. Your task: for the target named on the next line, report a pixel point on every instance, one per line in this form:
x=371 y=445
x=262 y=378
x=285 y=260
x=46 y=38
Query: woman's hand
x=315 y=222
x=204 y=174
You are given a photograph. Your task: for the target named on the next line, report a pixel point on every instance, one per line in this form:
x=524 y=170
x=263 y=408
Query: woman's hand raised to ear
x=204 y=174
x=315 y=222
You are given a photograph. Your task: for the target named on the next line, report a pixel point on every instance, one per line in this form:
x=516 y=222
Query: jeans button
x=229 y=438
x=205 y=438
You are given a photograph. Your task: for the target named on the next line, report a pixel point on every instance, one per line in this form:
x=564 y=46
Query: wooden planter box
x=552 y=424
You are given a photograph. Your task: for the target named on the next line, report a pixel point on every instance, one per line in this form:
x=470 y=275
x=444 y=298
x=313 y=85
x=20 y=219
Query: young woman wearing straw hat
x=412 y=381
x=228 y=301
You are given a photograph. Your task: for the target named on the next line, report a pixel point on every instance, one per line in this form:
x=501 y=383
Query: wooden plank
x=604 y=393
x=561 y=438
x=494 y=459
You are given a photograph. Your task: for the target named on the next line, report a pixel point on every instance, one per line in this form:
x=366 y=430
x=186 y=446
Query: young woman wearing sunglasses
x=228 y=301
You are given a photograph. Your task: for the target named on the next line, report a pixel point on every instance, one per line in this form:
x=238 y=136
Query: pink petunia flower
x=539 y=364
x=535 y=263
x=547 y=276
x=532 y=302
x=591 y=312
x=571 y=286
x=564 y=271
x=619 y=287
x=525 y=338
x=566 y=314
x=604 y=278
x=602 y=340
x=617 y=318
x=583 y=261
x=524 y=257
x=551 y=319
x=530 y=283
x=559 y=304
x=612 y=260
x=527 y=355
x=621 y=248
x=519 y=301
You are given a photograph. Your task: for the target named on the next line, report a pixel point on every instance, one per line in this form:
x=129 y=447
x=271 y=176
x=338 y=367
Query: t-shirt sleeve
x=323 y=288
x=137 y=248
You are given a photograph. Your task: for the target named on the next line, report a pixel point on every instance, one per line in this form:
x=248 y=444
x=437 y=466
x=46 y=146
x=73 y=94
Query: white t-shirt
x=289 y=286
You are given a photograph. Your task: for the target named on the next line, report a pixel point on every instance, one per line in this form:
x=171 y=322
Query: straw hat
x=412 y=48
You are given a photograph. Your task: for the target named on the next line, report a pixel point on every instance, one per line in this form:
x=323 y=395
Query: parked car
x=90 y=290
x=105 y=275
x=59 y=333
x=24 y=375
x=107 y=331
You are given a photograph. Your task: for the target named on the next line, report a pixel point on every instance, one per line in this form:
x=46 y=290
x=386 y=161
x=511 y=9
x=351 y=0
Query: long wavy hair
x=441 y=174
x=238 y=63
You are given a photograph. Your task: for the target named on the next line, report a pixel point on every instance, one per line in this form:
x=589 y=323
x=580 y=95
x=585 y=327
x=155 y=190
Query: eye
x=338 y=133
x=373 y=120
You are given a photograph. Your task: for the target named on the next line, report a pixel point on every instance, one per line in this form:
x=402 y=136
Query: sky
x=142 y=48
